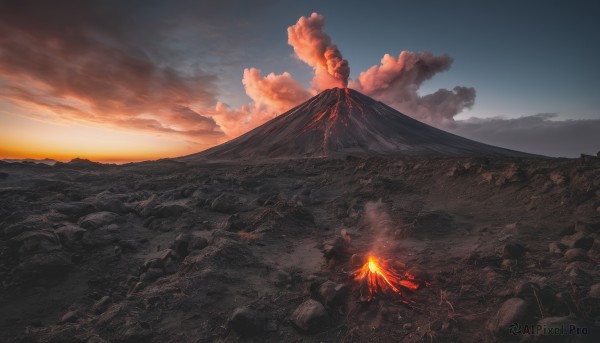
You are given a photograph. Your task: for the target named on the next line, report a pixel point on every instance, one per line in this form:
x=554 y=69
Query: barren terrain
x=169 y=251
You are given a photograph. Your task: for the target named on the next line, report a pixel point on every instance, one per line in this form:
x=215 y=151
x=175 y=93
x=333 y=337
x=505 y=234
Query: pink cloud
x=396 y=81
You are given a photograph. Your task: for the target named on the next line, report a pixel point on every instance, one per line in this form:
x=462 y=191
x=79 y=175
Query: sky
x=117 y=81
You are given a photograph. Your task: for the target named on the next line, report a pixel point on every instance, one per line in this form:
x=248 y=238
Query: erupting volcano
x=340 y=122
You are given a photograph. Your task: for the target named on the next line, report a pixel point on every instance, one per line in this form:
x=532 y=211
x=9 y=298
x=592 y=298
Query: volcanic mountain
x=342 y=121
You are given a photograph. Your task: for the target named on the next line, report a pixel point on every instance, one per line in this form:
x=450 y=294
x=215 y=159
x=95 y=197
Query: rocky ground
x=173 y=252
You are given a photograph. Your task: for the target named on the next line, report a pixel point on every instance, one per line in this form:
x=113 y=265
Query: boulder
x=93 y=221
x=101 y=305
x=332 y=293
x=35 y=242
x=576 y=254
x=49 y=265
x=225 y=203
x=513 y=251
x=310 y=316
x=73 y=209
x=151 y=275
x=70 y=234
x=246 y=321
x=513 y=310
x=181 y=244
x=578 y=240
x=169 y=209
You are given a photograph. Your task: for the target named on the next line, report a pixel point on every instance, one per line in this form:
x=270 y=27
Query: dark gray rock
x=332 y=293
x=310 y=316
x=93 y=221
x=181 y=244
x=246 y=321
x=70 y=234
x=579 y=240
x=225 y=203
x=35 y=242
x=70 y=317
x=197 y=243
x=74 y=209
x=512 y=310
x=576 y=254
x=169 y=209
x=513 y=251
x=102 y=305
x=151 y=275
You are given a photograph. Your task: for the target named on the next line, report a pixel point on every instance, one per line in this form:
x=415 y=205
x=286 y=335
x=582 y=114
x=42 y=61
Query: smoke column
x=314 y=47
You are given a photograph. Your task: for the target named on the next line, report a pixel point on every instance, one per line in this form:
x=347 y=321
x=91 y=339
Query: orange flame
x=379 y=277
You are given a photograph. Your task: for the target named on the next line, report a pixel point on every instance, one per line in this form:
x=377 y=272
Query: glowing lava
x=380 y=278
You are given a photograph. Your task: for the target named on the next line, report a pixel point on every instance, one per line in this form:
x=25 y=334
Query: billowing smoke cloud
x=396 y=81
x=314 y=47
x=273 y=93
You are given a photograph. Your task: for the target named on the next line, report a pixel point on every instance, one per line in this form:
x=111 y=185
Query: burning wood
x=378 y=277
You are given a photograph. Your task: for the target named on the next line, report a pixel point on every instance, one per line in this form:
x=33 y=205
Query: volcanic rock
x=332 y=293
x=95 y=220
x=101 y=305
x=169 y=209
x=556 y=248
x=578 y=240
x=246 y=321
x=513 y=310
x=70 y=234
x=224 y=203
x=70 y=317
x=32 y=242
x=73 y=209
x=575 y=254
x=151 y=275
x=310 y=316
x=513 y=251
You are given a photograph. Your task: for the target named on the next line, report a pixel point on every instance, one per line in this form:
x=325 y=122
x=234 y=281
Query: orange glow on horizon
x=22 y=138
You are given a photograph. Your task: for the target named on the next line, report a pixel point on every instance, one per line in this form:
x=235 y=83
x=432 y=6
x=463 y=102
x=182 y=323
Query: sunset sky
x=119 y=81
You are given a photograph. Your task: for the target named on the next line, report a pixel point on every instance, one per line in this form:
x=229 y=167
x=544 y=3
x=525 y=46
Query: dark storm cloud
x=112 y=62
x=540 y=134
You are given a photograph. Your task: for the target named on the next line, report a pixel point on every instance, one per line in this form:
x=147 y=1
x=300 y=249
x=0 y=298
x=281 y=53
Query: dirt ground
x=226 y=252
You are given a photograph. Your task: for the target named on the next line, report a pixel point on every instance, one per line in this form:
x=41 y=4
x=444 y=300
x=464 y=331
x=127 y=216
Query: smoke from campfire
x=381 y=225
x=313 y=46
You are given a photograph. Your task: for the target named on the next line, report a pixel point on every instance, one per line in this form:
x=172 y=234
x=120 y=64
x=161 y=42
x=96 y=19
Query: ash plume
x=313 y=46
x=273 y=93
x=396 y=81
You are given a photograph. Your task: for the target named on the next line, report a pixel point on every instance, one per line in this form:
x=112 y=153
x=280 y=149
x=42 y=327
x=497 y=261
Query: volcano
x=339 y=122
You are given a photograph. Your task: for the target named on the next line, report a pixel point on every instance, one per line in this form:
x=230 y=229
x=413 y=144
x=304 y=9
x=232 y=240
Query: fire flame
x=380 y=278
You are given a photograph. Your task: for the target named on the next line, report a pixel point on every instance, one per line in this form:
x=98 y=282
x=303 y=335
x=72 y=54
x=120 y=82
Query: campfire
x=377 y=277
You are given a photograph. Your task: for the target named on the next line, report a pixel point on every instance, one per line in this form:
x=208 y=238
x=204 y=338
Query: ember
x=380 y=278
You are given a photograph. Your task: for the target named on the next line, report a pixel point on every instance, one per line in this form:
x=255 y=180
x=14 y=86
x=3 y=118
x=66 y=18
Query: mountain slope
x=342 y=121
